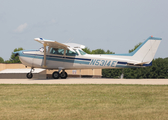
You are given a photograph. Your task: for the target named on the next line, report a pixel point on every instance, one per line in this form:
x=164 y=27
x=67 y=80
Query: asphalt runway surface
x=86 y=81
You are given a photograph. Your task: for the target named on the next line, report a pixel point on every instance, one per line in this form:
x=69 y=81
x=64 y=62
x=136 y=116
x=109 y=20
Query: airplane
x=65 y=56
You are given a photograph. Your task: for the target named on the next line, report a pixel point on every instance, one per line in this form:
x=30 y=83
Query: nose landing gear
x=30 y=75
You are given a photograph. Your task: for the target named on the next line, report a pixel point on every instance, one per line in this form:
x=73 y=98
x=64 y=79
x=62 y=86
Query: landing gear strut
x=63 y=75
x=30 y=75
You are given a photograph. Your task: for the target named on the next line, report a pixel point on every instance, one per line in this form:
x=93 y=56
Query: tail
x=145 y=53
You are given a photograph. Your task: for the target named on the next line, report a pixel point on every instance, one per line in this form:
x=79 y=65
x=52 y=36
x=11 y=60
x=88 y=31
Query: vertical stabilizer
x=147 y=50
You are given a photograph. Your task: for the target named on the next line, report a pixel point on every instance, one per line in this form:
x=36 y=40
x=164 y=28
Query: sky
x=115 y=25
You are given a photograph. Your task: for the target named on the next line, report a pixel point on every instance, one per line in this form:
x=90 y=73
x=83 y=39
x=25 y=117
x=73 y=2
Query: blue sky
x=117 y=25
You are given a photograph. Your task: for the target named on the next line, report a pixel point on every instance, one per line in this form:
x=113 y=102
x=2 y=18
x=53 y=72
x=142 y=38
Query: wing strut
x=44 y=55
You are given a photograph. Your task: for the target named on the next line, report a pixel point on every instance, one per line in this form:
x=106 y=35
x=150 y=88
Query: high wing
x=50 y=43
x=56 y=44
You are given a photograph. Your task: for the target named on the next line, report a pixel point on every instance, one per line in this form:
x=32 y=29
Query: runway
x=86 y=81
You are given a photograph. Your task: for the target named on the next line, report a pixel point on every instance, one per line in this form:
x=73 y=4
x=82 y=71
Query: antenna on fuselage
x=69 y=40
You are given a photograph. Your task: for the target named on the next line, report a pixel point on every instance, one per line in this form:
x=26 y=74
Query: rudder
x=147 y=50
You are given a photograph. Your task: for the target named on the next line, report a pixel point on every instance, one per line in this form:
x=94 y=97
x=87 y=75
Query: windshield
x=82 y=52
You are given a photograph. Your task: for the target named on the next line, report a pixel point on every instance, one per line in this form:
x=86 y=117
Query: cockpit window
x=57 y=51
x=70 y=53
x=42 y=49
x=82 y=52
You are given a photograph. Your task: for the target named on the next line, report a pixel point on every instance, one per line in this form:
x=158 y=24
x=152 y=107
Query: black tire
x=29 y=75
x=63 y=75
x=55 y=75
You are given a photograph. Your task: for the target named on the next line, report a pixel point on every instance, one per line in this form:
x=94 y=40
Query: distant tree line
x=159 y=68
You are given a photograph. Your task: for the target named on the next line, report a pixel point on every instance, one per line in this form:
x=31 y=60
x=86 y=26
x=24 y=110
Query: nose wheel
x=63 y=75
x=30 y=75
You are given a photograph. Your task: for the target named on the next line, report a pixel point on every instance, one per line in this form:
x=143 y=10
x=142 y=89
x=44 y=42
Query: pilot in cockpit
x=41 y=49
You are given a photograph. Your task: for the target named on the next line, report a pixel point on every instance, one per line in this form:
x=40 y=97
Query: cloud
x=21 y=28
x=45 y=23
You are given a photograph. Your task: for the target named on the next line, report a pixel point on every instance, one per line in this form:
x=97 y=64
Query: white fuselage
x=35 y=59
x=62 y=56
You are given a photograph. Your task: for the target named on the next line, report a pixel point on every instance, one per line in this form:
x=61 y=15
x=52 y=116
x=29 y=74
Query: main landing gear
x=55 y=75
x=63 y=75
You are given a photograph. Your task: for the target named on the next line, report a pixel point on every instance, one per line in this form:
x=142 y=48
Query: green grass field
x=75 y=102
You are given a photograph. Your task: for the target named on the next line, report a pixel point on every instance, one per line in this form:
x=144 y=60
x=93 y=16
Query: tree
x=98 y=51
x=159 y=69
x=109 y=52
x=1 y=60
x=14 y=59
x=136 y=46
x=87 y=50
x=111 y=73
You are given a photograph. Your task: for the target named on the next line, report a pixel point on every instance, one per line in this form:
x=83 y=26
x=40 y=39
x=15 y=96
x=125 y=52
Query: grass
x=76 y=102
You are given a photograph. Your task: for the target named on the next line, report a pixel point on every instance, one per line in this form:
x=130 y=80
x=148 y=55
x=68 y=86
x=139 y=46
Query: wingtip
x=36 y=39
x=155 y=38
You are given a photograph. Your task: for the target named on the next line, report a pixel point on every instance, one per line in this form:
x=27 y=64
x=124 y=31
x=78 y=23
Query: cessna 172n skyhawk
x=64 y=56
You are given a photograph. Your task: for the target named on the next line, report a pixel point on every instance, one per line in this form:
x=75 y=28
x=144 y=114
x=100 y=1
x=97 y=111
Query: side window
x=70 y=53
x=57 y=51
x=60 y=51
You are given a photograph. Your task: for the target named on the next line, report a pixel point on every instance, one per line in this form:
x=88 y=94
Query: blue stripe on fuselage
x=72 y=59
x=122 y=63
x=58 y=58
